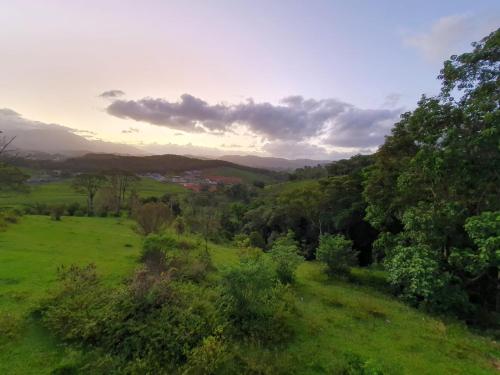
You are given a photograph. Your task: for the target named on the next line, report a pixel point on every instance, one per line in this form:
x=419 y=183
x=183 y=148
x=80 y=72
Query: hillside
x=273 y=163
x=333 y=318
x=164 y=164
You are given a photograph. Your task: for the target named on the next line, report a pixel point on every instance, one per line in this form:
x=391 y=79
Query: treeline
x=425 y=206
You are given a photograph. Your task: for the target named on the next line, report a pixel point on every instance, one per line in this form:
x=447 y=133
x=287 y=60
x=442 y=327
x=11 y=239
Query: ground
x=61 y=192
x=333 y=316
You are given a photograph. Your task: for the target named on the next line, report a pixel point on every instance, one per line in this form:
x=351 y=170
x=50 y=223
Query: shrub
x=152 y=217
x=56 y=212
x=209 y=358
x=179 y=225
x=257 y=305
x=152 y=325
x=284 y=253
x=336 y=252
x=74 y=208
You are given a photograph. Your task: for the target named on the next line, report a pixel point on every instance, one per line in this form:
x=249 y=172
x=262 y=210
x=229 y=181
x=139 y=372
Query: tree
x=5 y=142
x=336 y=252
x=153 y=217
x=432 y=183
x=285 y=255
x=11 y=178
x=121 y=181
x=89 y=184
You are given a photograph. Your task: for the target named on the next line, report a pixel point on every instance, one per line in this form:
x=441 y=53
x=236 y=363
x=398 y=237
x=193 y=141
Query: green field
x=61 y=192
x=332 y=318
x=30 y=253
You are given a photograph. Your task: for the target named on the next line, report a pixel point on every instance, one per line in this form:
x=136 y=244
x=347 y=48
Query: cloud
x=362 y=128
x=392 y=100
x=293 y=119
x=302 y=150
x=112 y=94
x=130 y=131
x=53 y=138
x=452 y=35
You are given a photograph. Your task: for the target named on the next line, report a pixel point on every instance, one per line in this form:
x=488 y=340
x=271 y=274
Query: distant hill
x=272 y=163
x=165 y=164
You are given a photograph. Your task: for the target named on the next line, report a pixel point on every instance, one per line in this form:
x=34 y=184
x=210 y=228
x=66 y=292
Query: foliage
x=329 y=318
x=89 y=184
x=257 y=306
x=284 y=254
x=152 y=217
x=179 y=225
x=12 y=178
x=337 y=254
x=432 y=184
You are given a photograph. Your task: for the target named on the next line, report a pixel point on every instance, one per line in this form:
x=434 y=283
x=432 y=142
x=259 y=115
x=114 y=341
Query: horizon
x=217 y=79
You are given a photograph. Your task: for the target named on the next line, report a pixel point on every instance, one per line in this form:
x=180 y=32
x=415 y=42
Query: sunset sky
x=317 y=79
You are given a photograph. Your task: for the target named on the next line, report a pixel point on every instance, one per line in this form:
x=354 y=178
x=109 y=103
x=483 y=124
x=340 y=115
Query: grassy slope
x=61 y=192
x=333 y=316
x=29 y=255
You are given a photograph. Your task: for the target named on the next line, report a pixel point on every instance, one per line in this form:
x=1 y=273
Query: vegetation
x=336 y=324
x=337 y=254
x=413 y=231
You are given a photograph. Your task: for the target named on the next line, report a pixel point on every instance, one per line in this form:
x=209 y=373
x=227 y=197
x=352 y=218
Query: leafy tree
x=284 y=253
x=89 y=184
x=337 y=253
x=433 y=179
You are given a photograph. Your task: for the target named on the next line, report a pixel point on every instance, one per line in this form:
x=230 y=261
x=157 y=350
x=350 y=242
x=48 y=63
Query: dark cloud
x=362 y=128
x=293 y=119
x=112 y=94
x=130 y=131
x=303 y=150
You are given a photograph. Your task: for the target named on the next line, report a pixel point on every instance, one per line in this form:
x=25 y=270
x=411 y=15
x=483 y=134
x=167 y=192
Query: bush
x=152 y=217
x=336 y=252
x=256 y=304
x=74 y=208
x=152 y=325
x=284 y=253
x=56 y=212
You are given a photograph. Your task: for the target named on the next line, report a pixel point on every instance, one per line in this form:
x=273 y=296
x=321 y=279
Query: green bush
x=256 y=304
x=284 y=253
x=337 y=253
x=151 y=325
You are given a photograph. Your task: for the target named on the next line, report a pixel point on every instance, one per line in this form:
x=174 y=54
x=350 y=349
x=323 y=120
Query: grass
x=28 y=270
x=61 y=192
x=333 y=317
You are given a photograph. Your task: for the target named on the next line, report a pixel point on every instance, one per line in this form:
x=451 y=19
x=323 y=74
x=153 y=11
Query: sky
x=316 y=79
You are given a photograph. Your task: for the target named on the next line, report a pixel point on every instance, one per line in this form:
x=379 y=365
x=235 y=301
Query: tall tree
x=438 y=169
x=89 y=184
